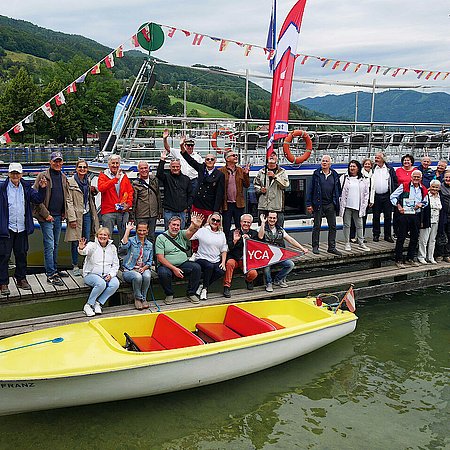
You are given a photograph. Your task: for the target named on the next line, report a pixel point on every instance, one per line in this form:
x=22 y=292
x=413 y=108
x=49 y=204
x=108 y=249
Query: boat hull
x=31 y=395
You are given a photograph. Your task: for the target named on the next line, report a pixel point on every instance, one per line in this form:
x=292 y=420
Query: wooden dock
x=373 y=274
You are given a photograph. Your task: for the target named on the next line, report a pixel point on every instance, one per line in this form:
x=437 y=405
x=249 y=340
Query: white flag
x=47 y=109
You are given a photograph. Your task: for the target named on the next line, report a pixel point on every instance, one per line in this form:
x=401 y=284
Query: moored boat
x=100 y=361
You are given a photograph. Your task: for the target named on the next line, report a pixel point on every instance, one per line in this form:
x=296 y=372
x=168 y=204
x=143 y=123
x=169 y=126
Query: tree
x=177 y=109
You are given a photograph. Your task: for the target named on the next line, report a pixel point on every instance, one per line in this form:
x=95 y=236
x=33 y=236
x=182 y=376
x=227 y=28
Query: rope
x=53 y=341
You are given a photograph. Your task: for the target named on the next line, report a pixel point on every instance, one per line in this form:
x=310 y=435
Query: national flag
x=223 y=45
x=336 y=65
x=171 y=32
x=357 y=67
x=109 y=61
x=119 y=51
x=446 y=75
x=270 y=54
x=60 y=99
x=260 y=254
x=378 y=69
x=18 y=128
x=29 y=119
x=186 y=33
x=272 y=34
x=197 y=39
x=429 y=75
x=248 y=49
x=283 y=73
x=325 y=62
x=436 y=76
x=5 y=138
x=395 y=73
x=81 y=79
x=46 y=107
x=71 y=88
x=96 y=69
x=146 y=33
x=404 y=71
x=369 y=68
x=419 y=73
x=134 y=40
x=349 y=299
x=346 y=66
x=305 y=58
x=387 y=71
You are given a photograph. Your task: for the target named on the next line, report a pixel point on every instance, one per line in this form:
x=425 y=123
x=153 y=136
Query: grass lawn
x=205 y=111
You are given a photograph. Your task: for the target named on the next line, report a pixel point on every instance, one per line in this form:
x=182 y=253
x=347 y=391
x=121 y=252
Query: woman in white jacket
x=353 y=203
x=99 y=270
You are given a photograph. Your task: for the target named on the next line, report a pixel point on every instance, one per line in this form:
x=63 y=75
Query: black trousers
x=329 y=212
x=17 y=242
x=407 y=223
x=382 y=204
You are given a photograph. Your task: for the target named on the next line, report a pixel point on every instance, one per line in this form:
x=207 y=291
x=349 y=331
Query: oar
x=53 y=341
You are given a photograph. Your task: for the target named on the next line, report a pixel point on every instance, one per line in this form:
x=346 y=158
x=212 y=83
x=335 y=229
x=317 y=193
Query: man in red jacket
x=117 y=196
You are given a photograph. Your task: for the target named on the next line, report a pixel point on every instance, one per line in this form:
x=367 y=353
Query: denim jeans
x=168 y=214
x=116 y=218
x=139 y=281
x=85 y=232
x=286 y=269
x=211 y=271
x=191 y=269
x=101 y=290
x=51 y=232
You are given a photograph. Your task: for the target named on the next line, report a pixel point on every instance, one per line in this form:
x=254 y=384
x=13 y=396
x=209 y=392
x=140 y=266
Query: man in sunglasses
x=188 y=146
x=236 y=179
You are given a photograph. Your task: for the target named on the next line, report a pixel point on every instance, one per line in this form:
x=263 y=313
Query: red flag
x=18 y=128
x=282 y=76
x=47 y=110
x=171 y=32
x=336 y=65
x=5 y=138
x=109 y=61
x=186 y=33
x=260 y=254
x=223 y=45
x=345 y=67
x=357 y=67
x=96 y=69
x=134 y=40
x=145 y=33
x=305 y=58
x=71 y=88
x=197 y=39
x=349 y=299
x=429 y=75
x=60 y=99
x=119 y=52
x=248 y=49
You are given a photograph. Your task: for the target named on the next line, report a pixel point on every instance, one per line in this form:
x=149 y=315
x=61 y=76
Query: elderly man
x=409 y=198
x=117 y=196
x=188 y=146
x=427 y=171
x=16 y=223
x=236 y=179
x=322 y=200
x=50 y=214
x=177 y=190
x=236 y=253
x=171 y=249
x=270 y=183
x=384 y=183
x=146 y=199
x=440 y=170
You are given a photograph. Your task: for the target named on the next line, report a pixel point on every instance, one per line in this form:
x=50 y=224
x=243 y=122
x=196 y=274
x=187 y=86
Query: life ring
x=216 y=134
x=287 y=151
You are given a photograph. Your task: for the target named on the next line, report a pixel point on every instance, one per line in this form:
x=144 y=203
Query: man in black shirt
x=177 y=191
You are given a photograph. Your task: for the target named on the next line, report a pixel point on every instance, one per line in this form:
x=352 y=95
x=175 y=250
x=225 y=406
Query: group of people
x=199 y=205
x=415 y=202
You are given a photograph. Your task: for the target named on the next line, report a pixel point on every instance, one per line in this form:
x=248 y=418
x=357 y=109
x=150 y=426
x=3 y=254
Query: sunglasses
x=189 y=145
x=232 y=155
x=215 y=220
x=210 y=159
x=81 y=167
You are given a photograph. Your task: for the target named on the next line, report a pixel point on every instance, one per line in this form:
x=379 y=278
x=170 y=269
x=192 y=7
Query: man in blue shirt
x=16 y=223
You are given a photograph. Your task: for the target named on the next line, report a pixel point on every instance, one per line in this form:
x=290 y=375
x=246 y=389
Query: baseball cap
x=189 y=142
x=56 y=155
x=15 y=167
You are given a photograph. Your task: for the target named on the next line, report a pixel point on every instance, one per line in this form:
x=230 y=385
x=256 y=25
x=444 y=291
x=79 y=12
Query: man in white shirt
x=384 y=183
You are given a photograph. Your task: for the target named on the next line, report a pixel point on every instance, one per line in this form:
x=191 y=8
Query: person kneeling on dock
x=271 y=233
x=99 y=270
x=16 y=223
x=137 y=262
x=409 y=199
x=171 y=248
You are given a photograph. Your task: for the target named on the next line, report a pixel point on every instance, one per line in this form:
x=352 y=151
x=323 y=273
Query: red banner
x=259 y=254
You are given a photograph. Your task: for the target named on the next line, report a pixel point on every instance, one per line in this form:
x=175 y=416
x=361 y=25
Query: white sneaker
x=269 y=287
x=76 y=271
x=364 y=247
x=348 y=247
x=199 y=290
x=422 y=260
x=281 y=283
x=87 y=309
x=98 y=308
x=204 y=294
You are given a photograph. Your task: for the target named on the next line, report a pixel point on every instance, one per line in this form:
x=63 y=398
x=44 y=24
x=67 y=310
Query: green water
x=383 y=387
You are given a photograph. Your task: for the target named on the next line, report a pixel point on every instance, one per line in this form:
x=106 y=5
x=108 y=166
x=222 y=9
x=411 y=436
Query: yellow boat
x=125 y=357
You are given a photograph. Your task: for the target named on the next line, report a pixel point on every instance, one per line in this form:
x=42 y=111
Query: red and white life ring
x=216 y=134
x=287 y=151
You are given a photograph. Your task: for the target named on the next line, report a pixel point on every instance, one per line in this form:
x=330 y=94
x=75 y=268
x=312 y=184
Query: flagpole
x=343 y=298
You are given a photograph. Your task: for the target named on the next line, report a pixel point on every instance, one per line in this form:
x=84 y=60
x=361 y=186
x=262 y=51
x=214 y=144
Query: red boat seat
x=167 y=335
x=272 y=322
x=237 y=323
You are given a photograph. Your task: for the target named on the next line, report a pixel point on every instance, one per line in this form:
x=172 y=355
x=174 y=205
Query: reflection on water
x=384 y=386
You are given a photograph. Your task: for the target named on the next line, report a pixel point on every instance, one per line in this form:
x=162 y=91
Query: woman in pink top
x=404 y=173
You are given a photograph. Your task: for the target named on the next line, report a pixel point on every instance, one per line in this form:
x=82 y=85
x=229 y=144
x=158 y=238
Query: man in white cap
x=16 y=223
x=50 y=214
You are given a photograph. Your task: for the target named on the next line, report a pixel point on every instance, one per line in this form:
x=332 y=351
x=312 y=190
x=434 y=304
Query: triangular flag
x=335 y=65
x=171 y=32
x=134 y=40
x=260 y=254
x=436 y=76
x=186 y=33
x=349 y=299
x=248 y=49
x=81 y=79
x=96 y=69
x=197 y=39
x=5 y=138
x=305 y=58
x=395 y=73
x=369 y=68
x=446 y=75
x=71 y=88
x=346 y=66
x=146 y=33
x=429 y=75
x=387 y=71
x=29 y=119
x=119 y=52
x=357 y=67
x=60 y=99
x=109 y=61
x=47 y=109
x=223 y=45
x=18 y=128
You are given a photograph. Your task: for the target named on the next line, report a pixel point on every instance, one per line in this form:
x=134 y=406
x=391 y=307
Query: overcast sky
x=393 y=33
